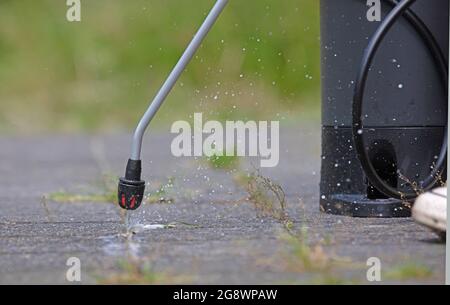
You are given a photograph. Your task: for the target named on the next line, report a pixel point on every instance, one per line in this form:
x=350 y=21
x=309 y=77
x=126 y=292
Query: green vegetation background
x=260 y=61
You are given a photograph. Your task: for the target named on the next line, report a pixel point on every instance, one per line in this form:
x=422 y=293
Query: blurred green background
x=261 y=61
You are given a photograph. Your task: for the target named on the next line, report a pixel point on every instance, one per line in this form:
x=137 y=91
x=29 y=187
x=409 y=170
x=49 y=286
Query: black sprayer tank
x=404 y=110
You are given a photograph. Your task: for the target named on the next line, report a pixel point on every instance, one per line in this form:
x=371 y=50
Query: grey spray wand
x=131 y=187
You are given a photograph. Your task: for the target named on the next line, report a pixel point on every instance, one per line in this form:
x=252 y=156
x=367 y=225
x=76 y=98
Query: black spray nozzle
x=131 y=188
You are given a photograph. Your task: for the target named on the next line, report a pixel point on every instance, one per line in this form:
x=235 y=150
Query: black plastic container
x=405 y=106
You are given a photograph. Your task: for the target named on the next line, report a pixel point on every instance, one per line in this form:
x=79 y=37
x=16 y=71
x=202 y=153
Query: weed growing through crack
x=416 y=186
x=133 y=268
x=270 y=200
x=305 y=257
x=108 y=193
x=131 y=273
x=162 y=193
x=330 y=279
x=268 y=197
x=73 y=198
x=417 y=189
x=408 y=271
x=223 y=162
x=139 y=272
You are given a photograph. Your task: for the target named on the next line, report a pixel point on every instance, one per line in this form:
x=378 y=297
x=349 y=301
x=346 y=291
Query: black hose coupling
x=131 y=188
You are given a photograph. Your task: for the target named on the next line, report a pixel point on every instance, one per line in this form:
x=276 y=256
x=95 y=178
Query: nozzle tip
x=130 y=194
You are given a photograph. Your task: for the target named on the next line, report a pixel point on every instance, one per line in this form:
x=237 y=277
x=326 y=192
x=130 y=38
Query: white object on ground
x=430 y=210
x=140 y=228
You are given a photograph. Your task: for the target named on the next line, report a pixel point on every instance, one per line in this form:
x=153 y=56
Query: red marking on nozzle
x=123 y=201
x=132 y=202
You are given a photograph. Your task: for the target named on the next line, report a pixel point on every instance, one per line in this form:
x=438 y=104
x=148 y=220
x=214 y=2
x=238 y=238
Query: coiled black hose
x=400 y=9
